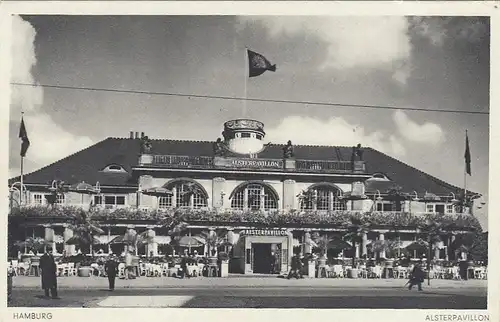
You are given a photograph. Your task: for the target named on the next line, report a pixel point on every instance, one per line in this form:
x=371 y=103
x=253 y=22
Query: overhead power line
x=264 y=100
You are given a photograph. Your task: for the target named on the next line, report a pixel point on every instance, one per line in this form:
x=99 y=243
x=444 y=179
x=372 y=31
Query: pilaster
x=289 y=195
x=219 y=193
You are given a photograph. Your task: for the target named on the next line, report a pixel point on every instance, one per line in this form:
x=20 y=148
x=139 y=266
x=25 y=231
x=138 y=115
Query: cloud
x=438 y=29
x=430 y=133
x=334 y=131
x=49 y=141
x=23 y=59
x=366 y=42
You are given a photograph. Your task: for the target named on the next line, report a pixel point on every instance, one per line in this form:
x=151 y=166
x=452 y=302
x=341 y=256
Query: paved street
x=253 y=292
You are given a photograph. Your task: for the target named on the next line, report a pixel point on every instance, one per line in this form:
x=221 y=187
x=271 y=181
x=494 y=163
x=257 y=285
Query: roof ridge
x=66 y=157
x=270 y=143
x=431 y=177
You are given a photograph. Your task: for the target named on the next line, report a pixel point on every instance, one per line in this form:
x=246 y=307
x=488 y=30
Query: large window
x=324 y=197
x=39 y=199
x=184 y=194
x=254 y=197
x=110 y=201
x=440 y=208
x=388 y=206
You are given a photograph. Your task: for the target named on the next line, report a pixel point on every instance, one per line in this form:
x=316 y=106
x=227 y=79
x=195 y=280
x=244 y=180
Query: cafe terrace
x=267 y=200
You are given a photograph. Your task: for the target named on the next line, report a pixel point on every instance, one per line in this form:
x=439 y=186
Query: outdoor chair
x=338 y=271
x=376 y=272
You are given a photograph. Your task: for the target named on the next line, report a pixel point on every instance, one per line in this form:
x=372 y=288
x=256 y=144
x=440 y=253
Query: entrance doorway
x=262 y=258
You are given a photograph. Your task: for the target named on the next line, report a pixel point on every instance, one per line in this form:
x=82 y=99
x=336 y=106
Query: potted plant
x=85 y=270
x=213 y=241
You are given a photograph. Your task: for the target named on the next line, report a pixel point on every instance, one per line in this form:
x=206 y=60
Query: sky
x=410 y=62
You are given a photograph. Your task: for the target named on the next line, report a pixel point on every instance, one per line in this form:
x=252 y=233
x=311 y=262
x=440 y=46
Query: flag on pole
x=467 y=154
x=258 y=64
x=23 y=135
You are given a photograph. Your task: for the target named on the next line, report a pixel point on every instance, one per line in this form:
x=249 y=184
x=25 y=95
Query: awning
x=162 y=240
x=158 y=191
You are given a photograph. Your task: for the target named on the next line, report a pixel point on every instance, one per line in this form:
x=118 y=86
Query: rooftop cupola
x=244 y=136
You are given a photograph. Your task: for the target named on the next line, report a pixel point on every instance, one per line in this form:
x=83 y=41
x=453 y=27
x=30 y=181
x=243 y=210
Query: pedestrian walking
x=49 y=274
x=129 y=274
x=111 y=268
x=296 y=270
x=417 y=277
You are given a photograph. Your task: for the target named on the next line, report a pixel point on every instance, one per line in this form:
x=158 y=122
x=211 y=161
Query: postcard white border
x=358 y=8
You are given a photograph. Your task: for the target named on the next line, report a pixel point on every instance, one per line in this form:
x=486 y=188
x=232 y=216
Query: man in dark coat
x=49 y=274
x=296 y=270
x=417 y=277
x=111 y=268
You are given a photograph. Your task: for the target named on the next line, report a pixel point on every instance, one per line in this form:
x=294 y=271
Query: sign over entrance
x=249 y=163
x=264 y=232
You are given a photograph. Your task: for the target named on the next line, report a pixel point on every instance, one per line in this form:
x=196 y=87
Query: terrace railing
x=290 y=165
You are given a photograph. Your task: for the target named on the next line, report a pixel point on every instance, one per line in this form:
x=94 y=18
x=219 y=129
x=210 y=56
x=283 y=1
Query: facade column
x=211 y=232
x=131 y=230
x=436 y=250
x=381 y=237
x=230 y=238
x=356 y=255
x=364 y=242
x=451 y=240
x=67 y=234
x=152 y=246
x=307 y=242
x=289 y=195
x=218 y=193
x=146 y=201
x=49 y=237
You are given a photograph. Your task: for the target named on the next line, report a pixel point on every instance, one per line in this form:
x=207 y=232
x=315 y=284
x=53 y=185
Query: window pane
x=238 y=200
x=323 y=202
x=380 y=206
x=387 y=206
x=165 y=202
x=245 y=135
x=430 y=208
x=109 y=200
x=254 y=193
x=269 y=200
x=97 y=200
x=440 y=208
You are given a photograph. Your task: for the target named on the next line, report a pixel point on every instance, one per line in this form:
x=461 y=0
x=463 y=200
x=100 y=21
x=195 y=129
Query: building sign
x=264 y=232
x=249 y=163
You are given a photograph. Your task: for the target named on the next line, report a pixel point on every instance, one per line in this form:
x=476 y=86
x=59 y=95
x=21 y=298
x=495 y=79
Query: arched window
x=322 y=197
x=254 y=196
x=184 y=194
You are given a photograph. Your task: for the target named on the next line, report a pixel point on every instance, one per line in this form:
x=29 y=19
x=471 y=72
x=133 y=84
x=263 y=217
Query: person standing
x=417 y=277
x=49 y=273
x=128 y=265
x=111 y=268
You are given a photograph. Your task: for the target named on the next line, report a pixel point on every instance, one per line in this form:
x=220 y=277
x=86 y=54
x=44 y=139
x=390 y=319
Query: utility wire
x=111 y=90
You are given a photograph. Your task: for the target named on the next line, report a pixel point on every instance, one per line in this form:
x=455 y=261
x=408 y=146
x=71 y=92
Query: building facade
x=266 y=200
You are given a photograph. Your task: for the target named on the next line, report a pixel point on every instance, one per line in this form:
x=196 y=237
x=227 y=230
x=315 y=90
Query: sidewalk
x=238 y=282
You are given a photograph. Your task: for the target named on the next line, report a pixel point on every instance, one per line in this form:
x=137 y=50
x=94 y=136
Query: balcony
x=294 y=218
x=255 y=164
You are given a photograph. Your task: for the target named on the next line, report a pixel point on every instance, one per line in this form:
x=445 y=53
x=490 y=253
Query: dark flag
x=467 y=154
x=23 y=135
x=258 y=64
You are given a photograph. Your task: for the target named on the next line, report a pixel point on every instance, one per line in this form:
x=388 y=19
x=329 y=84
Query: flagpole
x=22 y=173
x=465 y=177
x=245 y=67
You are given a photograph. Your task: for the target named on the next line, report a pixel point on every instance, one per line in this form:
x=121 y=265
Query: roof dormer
x=114 y=168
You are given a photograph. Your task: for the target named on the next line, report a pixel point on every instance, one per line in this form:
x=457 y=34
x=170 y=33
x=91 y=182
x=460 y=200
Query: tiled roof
x=86 y=165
